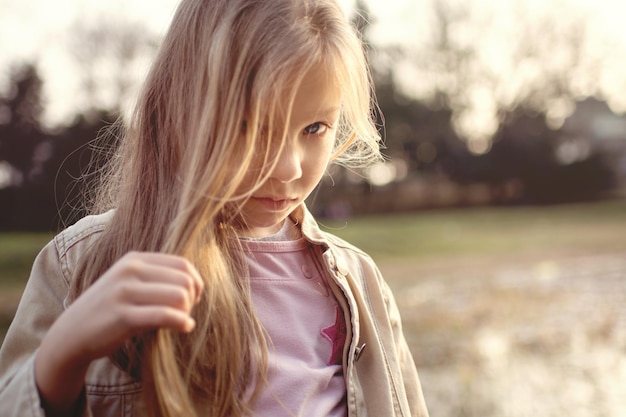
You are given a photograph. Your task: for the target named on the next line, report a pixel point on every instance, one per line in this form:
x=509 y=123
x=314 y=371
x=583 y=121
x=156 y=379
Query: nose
x=289 y=164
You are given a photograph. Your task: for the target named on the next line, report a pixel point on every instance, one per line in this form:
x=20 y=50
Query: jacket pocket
x=111 y=392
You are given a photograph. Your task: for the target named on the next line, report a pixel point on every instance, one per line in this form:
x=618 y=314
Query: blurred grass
x=428 y=235
x=17 y=253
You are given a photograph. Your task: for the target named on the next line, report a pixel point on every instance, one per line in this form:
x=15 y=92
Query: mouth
x=275 y=203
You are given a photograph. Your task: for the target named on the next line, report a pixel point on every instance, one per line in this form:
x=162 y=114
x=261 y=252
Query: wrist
x=60 y=377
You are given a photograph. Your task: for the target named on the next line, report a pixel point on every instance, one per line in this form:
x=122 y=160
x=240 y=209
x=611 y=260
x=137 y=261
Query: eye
x=316 y=128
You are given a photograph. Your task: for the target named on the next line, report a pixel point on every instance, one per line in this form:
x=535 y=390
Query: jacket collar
x=310 y=229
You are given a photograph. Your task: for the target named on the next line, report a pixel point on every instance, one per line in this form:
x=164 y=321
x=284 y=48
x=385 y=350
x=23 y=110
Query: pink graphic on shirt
x=336 y=334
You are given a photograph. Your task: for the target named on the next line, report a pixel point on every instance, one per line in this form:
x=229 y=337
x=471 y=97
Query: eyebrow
x=327 y=111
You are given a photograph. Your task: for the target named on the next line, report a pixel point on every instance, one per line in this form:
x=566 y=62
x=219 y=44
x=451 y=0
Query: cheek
x=253 y=175
x=319 y=160
x=248 y=183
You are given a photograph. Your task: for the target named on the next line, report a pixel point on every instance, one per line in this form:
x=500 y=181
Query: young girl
x=201 y=285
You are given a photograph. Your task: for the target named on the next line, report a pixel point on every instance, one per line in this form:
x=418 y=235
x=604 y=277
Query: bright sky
x=39 y=28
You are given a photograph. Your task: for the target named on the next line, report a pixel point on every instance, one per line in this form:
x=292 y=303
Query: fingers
x=163 y=268
x=156 y=293
x=144 y=291
x=154 y=290
x=140 y=292
x=144 y=318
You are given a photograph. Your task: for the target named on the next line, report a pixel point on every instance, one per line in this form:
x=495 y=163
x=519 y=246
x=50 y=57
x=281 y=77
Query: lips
x=275 y=203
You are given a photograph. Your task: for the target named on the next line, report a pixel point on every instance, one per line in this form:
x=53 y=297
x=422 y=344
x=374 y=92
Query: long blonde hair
x=225 y=68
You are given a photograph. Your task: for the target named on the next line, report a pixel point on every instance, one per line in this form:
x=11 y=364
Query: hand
x=140 y=292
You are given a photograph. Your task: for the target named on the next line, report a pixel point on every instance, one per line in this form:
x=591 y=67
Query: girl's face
x=299 y=167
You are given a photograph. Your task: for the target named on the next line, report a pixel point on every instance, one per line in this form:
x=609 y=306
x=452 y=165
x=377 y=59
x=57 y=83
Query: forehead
x=319 y=93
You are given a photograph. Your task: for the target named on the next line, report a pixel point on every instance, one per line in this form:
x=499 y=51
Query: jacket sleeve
x=41 y=304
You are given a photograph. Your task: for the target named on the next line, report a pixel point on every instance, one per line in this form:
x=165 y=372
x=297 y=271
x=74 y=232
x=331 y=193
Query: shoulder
x=344 y=257
x=347 y=258
x=72 y=242
x=85 y=229
x=336 y=245
x=343 y=246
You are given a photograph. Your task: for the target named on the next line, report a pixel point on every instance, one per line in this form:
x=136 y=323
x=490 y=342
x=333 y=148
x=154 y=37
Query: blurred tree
x=482 y=61
x=58 y=190
x=486 y=93
x=526 y=149
x=20 y=113
x=524 y=153
x=52 y=166
x=111 y=56
x=45 y=192
x=419 y=133
x=74 y=166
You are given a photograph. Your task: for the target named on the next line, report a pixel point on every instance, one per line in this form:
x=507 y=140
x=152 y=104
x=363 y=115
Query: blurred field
x=508 y=311
x=17 y=253
x=488 y=232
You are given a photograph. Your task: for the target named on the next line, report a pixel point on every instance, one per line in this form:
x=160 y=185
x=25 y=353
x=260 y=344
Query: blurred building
x=594 y=128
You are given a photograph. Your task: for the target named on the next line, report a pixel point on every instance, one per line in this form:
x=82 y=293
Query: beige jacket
x=379 y=370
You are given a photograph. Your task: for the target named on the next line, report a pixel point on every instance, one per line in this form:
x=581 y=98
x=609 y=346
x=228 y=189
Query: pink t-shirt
x=306 y=329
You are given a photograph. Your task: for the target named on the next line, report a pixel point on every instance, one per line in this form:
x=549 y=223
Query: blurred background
x=498 y=219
